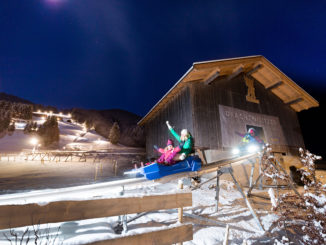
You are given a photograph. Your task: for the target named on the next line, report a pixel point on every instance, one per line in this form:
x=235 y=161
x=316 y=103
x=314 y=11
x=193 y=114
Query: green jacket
x=188 y=144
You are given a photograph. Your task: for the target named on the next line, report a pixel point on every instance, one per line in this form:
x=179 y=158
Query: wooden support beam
x=236 y=71
x=256 y=67
x=211 y=76
x=162 y=237
x=202 y=155
x=12 y=216
x=293 y=101
x=275 y=85
x=247 y=201
x=226 y=236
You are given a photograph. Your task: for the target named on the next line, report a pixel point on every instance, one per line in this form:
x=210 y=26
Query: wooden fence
x=12 y=216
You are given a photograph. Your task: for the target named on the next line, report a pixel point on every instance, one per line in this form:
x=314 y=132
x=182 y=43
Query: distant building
x=216 y=99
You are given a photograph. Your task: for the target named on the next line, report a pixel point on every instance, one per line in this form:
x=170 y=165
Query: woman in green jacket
x=186 y=142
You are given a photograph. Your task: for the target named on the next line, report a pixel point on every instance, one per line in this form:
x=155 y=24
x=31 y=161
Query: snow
x=272 y=197
x=232 y=211
x=16 y=142
x=72 y=136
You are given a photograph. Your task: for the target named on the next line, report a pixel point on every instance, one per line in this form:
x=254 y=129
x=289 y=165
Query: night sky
x=104 y=54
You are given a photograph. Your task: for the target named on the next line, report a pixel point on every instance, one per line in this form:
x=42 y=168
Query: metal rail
x=208 y=168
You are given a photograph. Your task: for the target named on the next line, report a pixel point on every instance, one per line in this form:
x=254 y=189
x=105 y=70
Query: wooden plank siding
x=207 y=98
x=196 y=108
x=178 y=112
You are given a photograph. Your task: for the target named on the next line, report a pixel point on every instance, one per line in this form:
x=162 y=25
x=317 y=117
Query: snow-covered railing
x=12 y=216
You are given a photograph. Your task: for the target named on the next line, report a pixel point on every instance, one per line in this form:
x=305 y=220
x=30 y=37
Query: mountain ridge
x=101 y=120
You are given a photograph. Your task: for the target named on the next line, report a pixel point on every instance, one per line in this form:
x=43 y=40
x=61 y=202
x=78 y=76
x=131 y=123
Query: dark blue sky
x=106 y=54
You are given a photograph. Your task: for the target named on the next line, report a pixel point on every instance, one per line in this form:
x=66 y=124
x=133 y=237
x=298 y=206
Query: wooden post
x=251 y=174
x=95 y=177
x=115 y=167
x=202 y=156
x=226 y=237
x=260 y=173
x=255 y=184
x=217 y=197
x=180 y=210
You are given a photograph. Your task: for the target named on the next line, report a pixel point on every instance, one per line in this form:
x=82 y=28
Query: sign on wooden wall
x=235 y=121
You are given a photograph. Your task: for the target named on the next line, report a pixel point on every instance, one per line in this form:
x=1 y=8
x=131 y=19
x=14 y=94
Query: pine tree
x=49 y=131
x=11 y=128
x=114 y=134
x=4 y=122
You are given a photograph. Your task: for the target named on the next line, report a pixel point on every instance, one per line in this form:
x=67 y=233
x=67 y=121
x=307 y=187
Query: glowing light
x=252 y=148
x=34 y=141
x=55 y=4
x=235 y=151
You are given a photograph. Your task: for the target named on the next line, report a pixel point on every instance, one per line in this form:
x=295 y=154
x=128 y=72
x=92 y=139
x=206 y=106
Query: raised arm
x=240 y=134
x=176 y=136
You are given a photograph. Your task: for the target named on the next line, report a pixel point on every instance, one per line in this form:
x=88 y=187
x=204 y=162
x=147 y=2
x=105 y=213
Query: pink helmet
x=170 y=142
x=252 y=131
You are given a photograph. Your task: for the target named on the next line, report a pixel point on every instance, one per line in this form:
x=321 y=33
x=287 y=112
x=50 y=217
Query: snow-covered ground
x=72 y=136
x=232 y=211
x=208 y=225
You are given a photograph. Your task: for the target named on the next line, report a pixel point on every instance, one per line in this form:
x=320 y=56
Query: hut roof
x=256 y=66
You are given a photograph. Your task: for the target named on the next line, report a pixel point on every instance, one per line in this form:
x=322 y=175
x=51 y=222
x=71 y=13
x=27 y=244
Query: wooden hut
x=216 y=100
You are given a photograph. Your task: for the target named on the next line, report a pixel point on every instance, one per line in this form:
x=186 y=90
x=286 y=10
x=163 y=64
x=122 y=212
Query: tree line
x=48 y=132
x=9 y=110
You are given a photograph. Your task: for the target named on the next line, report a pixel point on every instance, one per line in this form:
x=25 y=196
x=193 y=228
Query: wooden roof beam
x=236 y=71
x=212 y=76
x=293 y=100
x=275 y=85
x=256 y=67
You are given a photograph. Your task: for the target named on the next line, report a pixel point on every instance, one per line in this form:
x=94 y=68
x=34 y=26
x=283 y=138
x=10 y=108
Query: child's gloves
x=168 y=124
x=182 y=156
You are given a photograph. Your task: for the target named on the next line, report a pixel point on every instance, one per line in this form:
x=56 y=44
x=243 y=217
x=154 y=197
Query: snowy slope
x=14 y=143
x=72 y=136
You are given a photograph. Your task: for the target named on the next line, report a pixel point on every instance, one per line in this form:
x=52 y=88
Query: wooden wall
x=196 y=108
x=178 y=112
x=207 y=98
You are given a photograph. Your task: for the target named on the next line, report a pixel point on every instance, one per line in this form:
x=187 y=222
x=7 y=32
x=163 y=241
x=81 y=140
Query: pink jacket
x=168 y=155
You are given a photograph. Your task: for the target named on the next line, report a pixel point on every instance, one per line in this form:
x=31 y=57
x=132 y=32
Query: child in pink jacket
x=168 y=153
